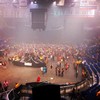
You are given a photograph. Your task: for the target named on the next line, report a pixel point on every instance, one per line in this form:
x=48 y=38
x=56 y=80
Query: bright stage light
x=61 y=3
x=31 y=3
x=14 y=1
x=35 y=2
x=54 y=3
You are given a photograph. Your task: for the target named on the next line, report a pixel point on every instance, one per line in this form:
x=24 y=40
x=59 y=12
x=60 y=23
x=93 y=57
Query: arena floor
x=23 y=75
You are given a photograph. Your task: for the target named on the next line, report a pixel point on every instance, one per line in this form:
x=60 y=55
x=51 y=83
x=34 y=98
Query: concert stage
x=29 y=64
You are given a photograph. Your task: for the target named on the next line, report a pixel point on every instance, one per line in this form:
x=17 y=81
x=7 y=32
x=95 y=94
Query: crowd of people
x=58 y=56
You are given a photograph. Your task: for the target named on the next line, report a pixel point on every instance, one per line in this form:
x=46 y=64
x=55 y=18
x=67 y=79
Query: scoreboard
x=88 y=8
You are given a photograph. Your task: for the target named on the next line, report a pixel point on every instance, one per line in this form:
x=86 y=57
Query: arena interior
x=49 y=50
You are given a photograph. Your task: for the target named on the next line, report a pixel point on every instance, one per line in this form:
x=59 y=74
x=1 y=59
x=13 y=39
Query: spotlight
x=54 y=3
x=14 y=1
x=35 y=2
x=31 y=3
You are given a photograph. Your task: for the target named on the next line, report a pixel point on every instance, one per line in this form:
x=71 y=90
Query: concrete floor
x=24 y=75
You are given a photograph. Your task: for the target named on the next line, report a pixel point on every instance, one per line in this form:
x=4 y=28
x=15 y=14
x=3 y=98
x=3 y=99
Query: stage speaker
x=46 y=92
x=38 y=18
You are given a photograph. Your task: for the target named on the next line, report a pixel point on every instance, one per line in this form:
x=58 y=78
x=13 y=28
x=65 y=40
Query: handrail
x=68 y=88
x=7 y=94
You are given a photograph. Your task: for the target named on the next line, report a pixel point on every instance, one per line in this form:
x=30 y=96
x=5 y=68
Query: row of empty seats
x=93 y=67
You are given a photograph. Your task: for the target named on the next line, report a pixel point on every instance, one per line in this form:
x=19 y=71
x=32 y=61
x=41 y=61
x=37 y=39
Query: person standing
x=1 y=88
x=38 y=79
x=56 y=69
x=42 y=70
x=76 y=73
x=59 y=71
x=62 y=72
x=6 y=85
x=51 y=66
x=17 y=85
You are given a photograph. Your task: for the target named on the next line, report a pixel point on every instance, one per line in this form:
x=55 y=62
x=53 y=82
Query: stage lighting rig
x=45 y=1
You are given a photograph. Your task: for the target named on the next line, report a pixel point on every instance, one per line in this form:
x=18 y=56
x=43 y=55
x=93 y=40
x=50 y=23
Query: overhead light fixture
x=54 y=3
x=35 y=2
x=31 y=3
x=14 y=1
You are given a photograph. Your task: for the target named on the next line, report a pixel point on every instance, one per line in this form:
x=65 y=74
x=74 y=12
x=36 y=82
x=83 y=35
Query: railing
x=65 y=89
x=5 y=95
